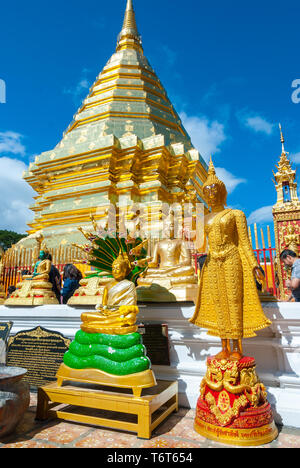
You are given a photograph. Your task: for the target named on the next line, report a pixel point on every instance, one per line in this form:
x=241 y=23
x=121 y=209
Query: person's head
x=11 y=289
x=169 y=226
x=71 y=272
x=44 y=252
x=121 y=267
x=42 y=255
x=25 y=272
x=288 y=257
x=214 y=190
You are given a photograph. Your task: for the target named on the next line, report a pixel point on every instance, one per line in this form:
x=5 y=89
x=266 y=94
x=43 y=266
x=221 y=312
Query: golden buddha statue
x=228 y=304
x=35 y=289
x=170 y=270
x=118 y=311
x=90 y=291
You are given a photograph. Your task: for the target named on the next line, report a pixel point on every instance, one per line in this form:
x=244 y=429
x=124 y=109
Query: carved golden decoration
x=286 y=215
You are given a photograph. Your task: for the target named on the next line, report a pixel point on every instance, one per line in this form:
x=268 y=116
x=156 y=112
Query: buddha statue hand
x=113 y=321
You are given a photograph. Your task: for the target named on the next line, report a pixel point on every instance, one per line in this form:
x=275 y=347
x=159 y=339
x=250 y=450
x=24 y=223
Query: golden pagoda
x=125 y=145
x=286 y=213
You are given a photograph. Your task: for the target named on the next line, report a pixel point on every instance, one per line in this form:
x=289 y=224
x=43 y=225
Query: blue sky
x=228 y=68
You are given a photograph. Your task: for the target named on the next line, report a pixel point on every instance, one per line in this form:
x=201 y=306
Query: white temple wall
x=276 y=349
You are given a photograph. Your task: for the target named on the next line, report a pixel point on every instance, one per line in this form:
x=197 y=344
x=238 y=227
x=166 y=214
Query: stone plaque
x=5 y=328
x=40 y=351
x=156 y=341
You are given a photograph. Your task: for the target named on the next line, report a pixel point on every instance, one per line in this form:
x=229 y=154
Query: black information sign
x=156 y=341
x=40 y=351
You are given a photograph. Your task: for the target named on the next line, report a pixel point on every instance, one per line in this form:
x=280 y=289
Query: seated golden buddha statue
x=35 y=289
x=90 y=291
x=170 y=275
x=118 y=311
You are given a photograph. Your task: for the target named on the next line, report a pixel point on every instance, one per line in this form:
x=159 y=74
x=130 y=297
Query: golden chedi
x=170 y=276
x=35 y=289
x=232 y=406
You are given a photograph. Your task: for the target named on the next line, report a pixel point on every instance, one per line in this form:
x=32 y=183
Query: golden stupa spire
x=129 y=20
x=129 y=36
x=282 y=139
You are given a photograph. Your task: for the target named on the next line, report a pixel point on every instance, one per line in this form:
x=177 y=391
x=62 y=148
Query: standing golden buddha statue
x=232 y=406
x=228 y=304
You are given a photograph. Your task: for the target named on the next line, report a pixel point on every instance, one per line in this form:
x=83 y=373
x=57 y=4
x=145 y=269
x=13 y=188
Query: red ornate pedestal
x=233 y=407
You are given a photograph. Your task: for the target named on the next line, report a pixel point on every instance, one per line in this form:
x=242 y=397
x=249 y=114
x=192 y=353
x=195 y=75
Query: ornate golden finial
x=129 y=36
x=282 y=139
x=129 y=20
x=213 y=179
x=212 y=176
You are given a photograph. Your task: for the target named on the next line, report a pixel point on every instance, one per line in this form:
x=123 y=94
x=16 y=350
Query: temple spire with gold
x=286 y=212
x=129 y=36
x=125 y=144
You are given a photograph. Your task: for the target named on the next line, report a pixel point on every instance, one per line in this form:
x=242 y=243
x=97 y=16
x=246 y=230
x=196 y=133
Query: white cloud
x=255 y=122
x=80 y=89
x=170 y=55
x=207 y=136
x=10 y=142
x=259 y=124
x=295 y=158
x=16 y=196
x=261 y=215
x=230 y=180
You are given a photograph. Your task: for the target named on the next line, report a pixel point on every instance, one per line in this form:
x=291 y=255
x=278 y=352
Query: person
x=10 y=290
x=290 y=260
x=201 y=260
x=54 y=278
x=260 y=284
x=71 y=278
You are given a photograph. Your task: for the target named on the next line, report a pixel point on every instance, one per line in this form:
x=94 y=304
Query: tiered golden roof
x=126 y=140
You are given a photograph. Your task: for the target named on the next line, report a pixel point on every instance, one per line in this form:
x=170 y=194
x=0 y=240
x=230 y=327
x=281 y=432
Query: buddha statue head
x=214 y=190
x=170 y=228
x=43 y=252
x=121 y=267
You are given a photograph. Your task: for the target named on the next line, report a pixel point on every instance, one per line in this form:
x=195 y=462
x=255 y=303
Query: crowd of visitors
x=64 y=285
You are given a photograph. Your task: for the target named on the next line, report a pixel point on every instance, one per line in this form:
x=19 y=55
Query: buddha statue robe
x=228 y=303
